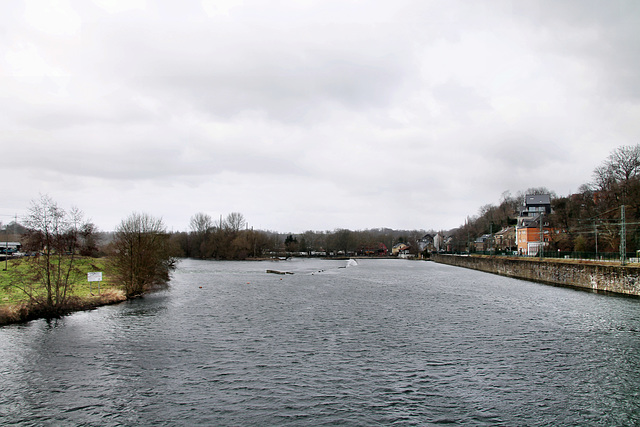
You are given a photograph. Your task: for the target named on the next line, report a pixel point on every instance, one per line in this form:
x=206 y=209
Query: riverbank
x=15 y=306
x=24 y=312
x=598 y=277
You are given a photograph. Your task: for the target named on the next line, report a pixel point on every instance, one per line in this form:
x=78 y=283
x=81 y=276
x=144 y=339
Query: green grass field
x=12 y=296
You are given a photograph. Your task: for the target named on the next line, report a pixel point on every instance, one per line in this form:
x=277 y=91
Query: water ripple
x=384 y=343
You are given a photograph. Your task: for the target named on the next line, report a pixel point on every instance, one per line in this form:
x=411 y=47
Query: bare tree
x=89 y=239
x=201 y=227
x=201 y=223
x=54 y=235
x=624 y=163
x=235 y=222
x=141 y=254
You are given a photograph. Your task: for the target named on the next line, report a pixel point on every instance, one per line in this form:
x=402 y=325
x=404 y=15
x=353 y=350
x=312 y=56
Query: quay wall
x=608 y=278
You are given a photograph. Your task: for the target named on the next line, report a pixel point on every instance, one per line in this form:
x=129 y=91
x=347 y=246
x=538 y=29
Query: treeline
x=586 y=221
x=230 y=238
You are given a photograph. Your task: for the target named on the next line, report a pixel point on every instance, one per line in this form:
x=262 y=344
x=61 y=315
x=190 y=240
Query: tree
x=624 y=163
x=201 y=225
x=618 y=174
x=291 y=243
x=54 y=234
x=141 y=254
x=89 y=240
x=235 y=222
x=343 y=240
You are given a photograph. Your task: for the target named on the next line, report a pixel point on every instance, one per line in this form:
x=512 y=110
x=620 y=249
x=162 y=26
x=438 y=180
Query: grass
x=10 y=295
x=14 y=302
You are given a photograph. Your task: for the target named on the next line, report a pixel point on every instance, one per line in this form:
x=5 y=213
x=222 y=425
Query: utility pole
x=468 y=242
x=6 y=249
x=541 y=238
x=490 y=237
x=623 y=237
x=595 y=224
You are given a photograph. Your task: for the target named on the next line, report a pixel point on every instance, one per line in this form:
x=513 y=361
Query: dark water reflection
x=385 y=342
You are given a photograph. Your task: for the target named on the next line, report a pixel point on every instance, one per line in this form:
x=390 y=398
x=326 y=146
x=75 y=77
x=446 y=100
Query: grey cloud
x=605 y=34
x=286 y=73
x=459 y=99
x=425 y=110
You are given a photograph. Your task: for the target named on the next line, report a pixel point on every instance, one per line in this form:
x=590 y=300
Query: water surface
x=386 y=342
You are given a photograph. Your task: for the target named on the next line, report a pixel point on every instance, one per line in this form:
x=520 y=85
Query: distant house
x=400 y=249
x=425 y=243
x=448 y=243
x=531 y=222
x=483 y=243
x=534 y=206
x=505 y=239
x=438 y=242
x=378 y=249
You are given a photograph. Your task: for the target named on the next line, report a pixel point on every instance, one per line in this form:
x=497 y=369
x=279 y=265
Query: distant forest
x=230 y=238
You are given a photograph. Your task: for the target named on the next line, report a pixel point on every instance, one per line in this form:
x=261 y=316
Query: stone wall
x=609 y=278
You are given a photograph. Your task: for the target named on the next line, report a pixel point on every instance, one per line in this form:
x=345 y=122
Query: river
x=384 y=342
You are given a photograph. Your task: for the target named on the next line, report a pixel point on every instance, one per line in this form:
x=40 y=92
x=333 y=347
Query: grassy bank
x=14 y=303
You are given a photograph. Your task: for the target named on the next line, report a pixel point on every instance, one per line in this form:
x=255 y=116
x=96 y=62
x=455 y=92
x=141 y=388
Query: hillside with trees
x=590 y=220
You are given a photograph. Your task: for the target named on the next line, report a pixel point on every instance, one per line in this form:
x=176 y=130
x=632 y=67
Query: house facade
x=438 y=242
x=425 y=243
x=533 y=231
x=400 y=249
x=505 y=239
x=483 y=243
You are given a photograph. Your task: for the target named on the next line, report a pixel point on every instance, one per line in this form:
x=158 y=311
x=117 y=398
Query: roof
x=506 y=230
x=537 y=199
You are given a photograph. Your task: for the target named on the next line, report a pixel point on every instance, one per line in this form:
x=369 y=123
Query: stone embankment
x=598 y=277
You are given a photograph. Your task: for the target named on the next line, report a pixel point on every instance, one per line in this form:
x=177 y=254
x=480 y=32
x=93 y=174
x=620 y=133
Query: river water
x=386 y=342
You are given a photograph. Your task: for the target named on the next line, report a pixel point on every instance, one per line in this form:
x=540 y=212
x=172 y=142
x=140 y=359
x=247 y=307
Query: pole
x=491 y=238
x=596 y=226
x=6 y=248
x=623 y=237
x=541 y=239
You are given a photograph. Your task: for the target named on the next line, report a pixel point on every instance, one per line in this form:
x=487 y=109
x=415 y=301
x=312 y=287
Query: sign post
x=94 y=277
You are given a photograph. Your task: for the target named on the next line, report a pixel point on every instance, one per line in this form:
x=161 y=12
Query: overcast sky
x=310 y=115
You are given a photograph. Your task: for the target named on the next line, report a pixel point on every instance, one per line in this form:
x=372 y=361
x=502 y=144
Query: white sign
x=95 y=276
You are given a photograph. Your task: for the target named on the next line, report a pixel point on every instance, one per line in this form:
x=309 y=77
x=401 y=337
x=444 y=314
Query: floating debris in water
x=279 y=272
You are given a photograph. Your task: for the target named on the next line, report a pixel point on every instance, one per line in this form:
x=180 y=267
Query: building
x=425 y=243
x=505 y=239
x=400 y=249
x=438 y=242
x=532 y=222
x=483 y=243
x=534 y=205
x=378 y=249
x=448 y=243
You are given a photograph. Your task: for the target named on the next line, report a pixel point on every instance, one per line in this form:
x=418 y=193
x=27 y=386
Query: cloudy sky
x=310 y=114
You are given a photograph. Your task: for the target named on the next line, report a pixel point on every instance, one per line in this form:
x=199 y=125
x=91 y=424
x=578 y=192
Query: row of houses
x=529 y=235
